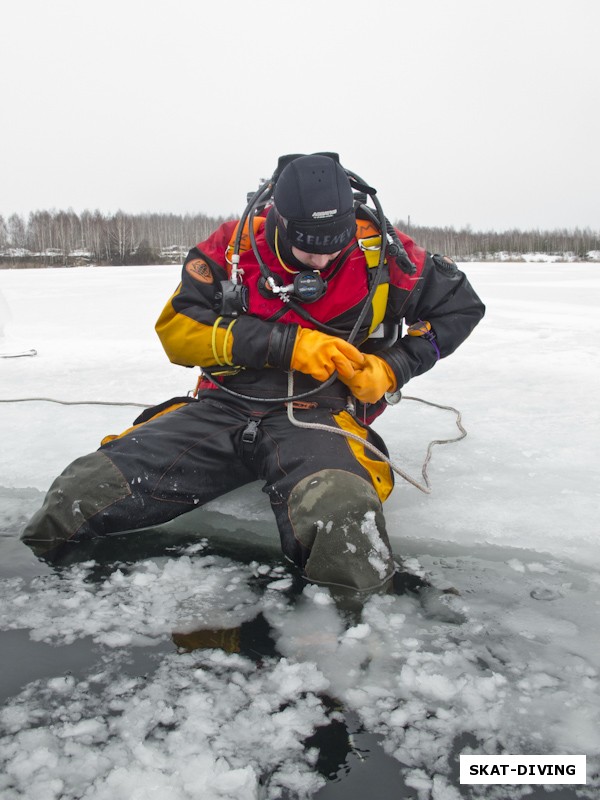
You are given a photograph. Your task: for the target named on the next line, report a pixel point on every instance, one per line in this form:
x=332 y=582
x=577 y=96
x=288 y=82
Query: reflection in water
x=252 y=639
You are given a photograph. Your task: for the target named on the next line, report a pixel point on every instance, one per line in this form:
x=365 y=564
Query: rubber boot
x=338 y=517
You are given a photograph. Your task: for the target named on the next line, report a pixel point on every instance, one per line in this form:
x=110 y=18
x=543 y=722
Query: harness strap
x=245 y=243
x=371 y=247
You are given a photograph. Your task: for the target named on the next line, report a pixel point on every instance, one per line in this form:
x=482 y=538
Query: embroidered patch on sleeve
x=199 y=271
x=445 y=264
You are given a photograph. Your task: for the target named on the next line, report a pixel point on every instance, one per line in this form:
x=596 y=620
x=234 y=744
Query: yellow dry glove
x=372 y=380
x=320 y=355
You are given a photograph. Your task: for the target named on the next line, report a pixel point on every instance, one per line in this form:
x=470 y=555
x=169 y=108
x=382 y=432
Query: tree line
x=56 y=238
x=465 y=244
x=52 y=238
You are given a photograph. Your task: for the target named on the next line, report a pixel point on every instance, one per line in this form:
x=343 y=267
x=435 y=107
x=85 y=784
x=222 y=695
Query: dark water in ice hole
x=351 y=759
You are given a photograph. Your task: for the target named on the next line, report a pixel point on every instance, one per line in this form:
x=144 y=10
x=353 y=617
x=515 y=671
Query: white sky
x=463 y=112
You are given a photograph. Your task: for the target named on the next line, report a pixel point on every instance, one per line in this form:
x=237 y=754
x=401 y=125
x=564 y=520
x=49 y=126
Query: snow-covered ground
x=101 y=704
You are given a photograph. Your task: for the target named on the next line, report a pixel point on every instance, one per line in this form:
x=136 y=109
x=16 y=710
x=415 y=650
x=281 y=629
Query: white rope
x=426 y=488
x=72 y=402
x=433 y=443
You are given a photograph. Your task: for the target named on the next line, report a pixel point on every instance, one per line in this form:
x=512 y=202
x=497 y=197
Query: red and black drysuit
x=180 y=460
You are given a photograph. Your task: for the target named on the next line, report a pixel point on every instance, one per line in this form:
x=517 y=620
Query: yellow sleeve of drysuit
x=189 y=342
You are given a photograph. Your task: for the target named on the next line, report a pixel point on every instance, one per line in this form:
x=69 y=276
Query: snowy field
x=100 y=701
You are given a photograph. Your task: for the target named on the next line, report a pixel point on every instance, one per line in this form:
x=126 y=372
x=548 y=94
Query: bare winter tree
x=3 y=233
x=67 y=232
x=17 y=233
x=94 y=233
x=122 y=238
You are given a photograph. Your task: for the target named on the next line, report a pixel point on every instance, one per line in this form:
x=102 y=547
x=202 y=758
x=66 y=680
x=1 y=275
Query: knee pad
x=88 y=485
x=338 y=516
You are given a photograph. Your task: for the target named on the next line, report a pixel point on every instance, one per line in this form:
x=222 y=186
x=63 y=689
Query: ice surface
x=510 y=665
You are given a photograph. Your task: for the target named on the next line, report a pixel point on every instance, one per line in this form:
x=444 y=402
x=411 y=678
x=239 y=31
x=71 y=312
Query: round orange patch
x=199 y=271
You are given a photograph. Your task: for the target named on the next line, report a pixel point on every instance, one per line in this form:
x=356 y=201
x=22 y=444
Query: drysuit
x=326 y=491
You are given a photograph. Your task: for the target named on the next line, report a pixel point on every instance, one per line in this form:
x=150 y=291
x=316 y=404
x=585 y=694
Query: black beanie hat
x=314 y=205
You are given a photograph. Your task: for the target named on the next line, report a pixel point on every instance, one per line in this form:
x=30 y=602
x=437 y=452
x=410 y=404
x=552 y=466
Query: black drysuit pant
x=325 y=490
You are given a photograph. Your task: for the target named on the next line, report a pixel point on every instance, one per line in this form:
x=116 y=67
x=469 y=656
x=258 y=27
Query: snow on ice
x=508 y=666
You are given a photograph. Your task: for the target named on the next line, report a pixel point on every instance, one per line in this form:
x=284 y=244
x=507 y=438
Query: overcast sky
x=471 y=112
